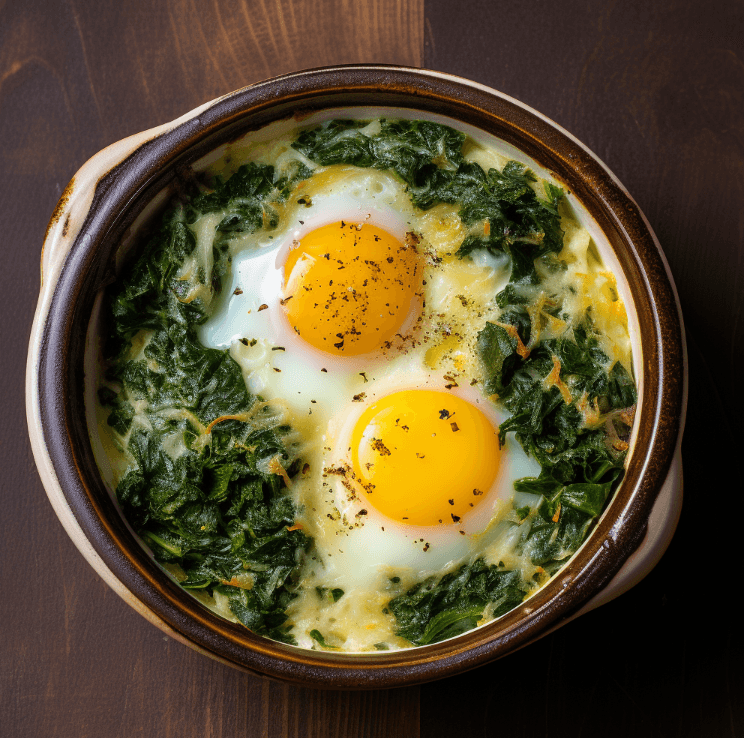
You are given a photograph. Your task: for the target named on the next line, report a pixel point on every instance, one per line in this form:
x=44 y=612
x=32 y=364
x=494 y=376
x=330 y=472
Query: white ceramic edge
x=668 y=505
x=667 y=509
x=56 y=247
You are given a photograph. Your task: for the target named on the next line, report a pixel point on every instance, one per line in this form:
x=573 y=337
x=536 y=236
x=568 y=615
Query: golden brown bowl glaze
x=56 y=377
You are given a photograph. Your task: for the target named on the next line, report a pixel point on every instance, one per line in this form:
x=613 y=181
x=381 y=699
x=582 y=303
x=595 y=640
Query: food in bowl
x=367 y=386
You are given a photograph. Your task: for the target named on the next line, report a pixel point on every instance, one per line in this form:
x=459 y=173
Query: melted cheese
x=459 y=297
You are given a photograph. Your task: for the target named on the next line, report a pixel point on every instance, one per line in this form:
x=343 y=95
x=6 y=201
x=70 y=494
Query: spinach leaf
x=548 y=427
x=579 y=466
x=200 y=491
x=316 y=635
x=498 y=352
x=433 y=610
x=428 y=158
x=215 y=508
x=409 y=148
x=247 y=196
x=621 y=391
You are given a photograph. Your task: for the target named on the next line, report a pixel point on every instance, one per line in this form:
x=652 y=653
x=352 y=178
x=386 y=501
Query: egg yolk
x=424 y=457
x=350 y=288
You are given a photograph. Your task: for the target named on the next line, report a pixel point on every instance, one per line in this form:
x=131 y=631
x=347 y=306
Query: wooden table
x=656 y=89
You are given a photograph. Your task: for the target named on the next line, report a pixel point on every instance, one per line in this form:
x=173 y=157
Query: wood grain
x=656 y=89
x=117 y=68
x=74 y=77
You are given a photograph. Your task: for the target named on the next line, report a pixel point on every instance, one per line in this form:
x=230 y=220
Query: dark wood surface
x=656 y=89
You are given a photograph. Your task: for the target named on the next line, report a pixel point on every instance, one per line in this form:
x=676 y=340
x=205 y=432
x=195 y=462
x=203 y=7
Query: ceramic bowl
x=109 y=197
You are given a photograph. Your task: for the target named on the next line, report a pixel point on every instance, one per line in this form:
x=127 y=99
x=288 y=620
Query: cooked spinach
x=440 y=608
x=247 y=196
x=580 y=467
x=317 y=636
x=419 y=152
x=428 y=158
x=203 y=489
x=544 y=388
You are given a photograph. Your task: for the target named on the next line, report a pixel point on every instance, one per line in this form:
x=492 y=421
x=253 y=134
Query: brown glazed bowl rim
x=122 y=192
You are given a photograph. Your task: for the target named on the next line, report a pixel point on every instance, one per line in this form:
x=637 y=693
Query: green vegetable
x=247 y=196
x=316 y=635
x=428 y=158
x=210 y=502
x=213 y=507
x=416 y=151
x=433 y=610
x=580 y=466
x=549 y=428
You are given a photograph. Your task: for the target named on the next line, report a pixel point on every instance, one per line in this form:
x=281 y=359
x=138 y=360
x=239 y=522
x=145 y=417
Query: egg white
x=372 y=539
x=359 y=552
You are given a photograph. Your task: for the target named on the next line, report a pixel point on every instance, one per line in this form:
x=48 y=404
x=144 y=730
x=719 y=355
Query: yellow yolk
x=424 y=457
x=349 y=288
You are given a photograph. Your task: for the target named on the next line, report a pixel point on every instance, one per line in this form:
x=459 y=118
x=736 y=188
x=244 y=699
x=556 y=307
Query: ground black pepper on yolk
x=437 y=447
x=350 y=288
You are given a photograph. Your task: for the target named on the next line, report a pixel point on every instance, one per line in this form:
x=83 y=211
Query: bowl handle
x=74 y=204
x=72 y=208
x=63 y=230
x=661 y=526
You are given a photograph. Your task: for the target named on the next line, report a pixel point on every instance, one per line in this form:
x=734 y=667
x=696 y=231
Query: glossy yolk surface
x=349 y=288
x=424 y=457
